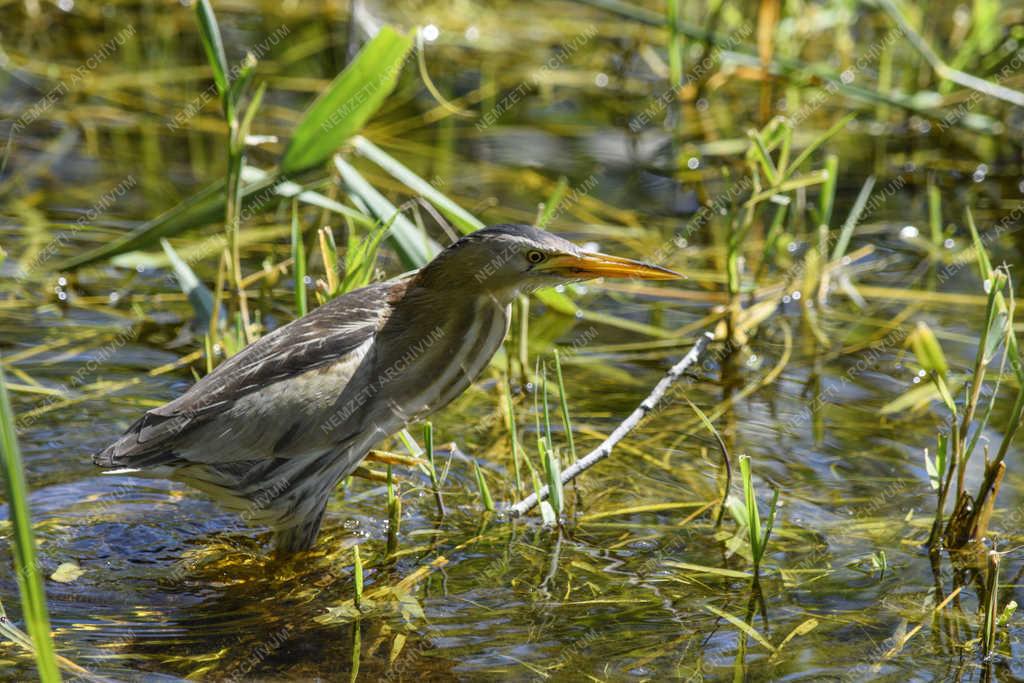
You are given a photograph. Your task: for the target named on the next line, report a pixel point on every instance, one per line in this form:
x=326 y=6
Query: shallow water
x=172 y=586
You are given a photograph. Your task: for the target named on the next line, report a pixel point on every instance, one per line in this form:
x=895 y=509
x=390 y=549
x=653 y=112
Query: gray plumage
x=271 y=431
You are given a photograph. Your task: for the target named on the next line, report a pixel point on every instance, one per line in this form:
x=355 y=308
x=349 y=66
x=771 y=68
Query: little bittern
x=273 y=429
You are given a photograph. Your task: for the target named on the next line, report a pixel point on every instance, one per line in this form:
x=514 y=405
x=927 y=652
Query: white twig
x=620 y=432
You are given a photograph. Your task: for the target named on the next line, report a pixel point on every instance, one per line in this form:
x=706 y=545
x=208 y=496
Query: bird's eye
x=534 y=257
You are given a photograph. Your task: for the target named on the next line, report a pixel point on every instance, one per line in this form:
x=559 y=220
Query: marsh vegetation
x=839 y=181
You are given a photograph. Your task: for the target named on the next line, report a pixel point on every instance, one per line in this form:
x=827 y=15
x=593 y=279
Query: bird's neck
x=427 y=306
x=441 y=342
x=442 y=282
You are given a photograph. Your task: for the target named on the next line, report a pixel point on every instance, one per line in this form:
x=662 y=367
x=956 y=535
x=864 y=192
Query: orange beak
x=591 y=264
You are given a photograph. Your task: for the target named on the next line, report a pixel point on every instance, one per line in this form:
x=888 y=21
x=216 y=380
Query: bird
x=271 y=431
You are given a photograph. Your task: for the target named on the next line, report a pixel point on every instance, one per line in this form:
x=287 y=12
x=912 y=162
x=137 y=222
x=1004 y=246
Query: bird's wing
x=324 y=336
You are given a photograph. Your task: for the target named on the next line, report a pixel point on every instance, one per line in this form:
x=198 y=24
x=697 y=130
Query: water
x=636 y=586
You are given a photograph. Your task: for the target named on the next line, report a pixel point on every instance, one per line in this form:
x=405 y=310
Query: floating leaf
x=67 y=572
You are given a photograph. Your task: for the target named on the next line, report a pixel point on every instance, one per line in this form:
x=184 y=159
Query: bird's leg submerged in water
x=297 y=411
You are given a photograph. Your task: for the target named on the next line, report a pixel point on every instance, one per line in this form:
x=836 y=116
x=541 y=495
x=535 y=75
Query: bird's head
x=506 y=259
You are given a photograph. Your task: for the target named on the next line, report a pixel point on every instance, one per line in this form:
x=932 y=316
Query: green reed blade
x=199 y=296
x=859 y=204
x=828 y=190
x=750 y=502
x=760 y=153
x=485 y=491
x=394 y=513
x=348 y=102
x=984 y=265
x=461 y=218
x=564 y=405
x=414 y=248
x=209 y=33
x=821 y=140
x=724 y=452
x=329 y=257
x=435 y=483
x=361 y=258
x=935 y=212
x=298 y=263
x=991 y=608
x=288 y=189
x=30 y=585
x=250 y=111
x=553 y=468
x=512 y=432
x=357 y=572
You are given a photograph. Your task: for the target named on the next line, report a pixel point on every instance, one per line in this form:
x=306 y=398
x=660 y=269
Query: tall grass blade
x=251 y=109
x=361 y=258
x=984 y=265
x=357 y=571
x=329 y=256
x=394 y=513
x=348 y=102
x=209 y=33
x=414 y=248
x=821 y=140
x=548 y=454
x=843 y=241
x=935 y=212
x=202 y=208
x=760 y=153
x=485 y=491
x=435 y=483
x=750 y=504
x=30 y=585
x=991 y=609
x=289 y=189
x=564 y=405
x=553 y=469
x=512 y=432
x=461 y=218
x=199 y=296
x=298 y=263
x=724 y=452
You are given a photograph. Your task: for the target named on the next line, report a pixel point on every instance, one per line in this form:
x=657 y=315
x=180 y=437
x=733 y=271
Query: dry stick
x=620 y=432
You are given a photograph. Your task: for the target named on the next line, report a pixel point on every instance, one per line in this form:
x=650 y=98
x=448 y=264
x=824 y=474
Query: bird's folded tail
x=143 y=445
